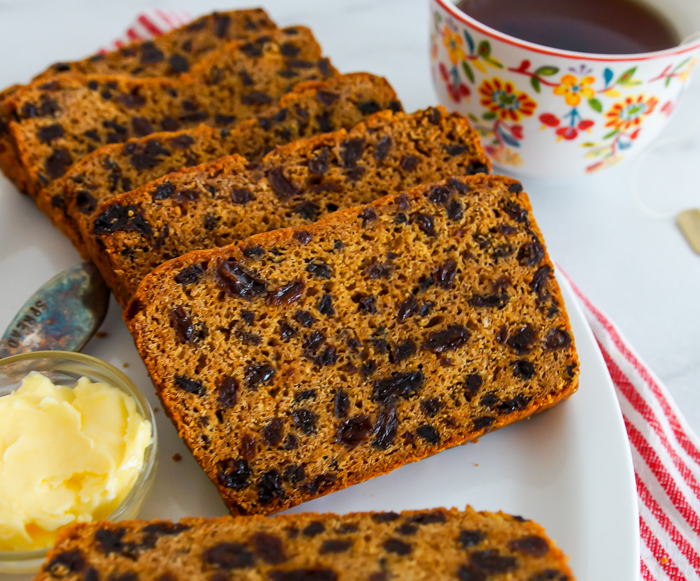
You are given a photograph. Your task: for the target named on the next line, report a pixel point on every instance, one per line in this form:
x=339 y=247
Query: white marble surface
x=637 y=269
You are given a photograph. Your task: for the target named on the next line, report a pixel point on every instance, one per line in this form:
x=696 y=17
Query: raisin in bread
x=61 y=120
x=301 y=361
x=418 y=545
x=173 y=53
x=169 y=55
x=215 y=204
x=311 y=108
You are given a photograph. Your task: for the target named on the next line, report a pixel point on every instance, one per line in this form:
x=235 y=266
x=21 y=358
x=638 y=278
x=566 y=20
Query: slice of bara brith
x=59 y=121
x=302 y=361
x=312 y=108
x=425 y=545
x=227 y=200
x=175 y=52
x=169 y=55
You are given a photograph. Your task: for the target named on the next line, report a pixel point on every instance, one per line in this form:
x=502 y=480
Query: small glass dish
x=65 y=368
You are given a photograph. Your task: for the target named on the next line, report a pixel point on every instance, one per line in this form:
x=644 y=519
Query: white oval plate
x=569 y=468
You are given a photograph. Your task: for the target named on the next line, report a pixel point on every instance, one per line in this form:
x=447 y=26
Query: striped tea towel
x=153 y=22
x=665 y=454
x=665 y=451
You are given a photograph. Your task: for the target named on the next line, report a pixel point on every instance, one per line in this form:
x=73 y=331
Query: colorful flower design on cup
x=455 y=89
x=569 y=126
x=453 y=43
x=462 y=57
x=506 y=107
x=501 y=98
x=573 y=89
x=583 y=111
x=623 y=120
x=629 y=113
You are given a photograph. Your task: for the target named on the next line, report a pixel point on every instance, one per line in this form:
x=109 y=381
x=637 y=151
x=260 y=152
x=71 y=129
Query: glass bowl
x=65 y=368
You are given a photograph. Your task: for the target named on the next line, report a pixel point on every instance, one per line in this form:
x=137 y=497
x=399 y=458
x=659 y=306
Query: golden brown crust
x=435 y=313
x=311 y=108
x=58 y=121
x=168 y=55
x=173 y=53
x=429 y=545
x=294 y=185
x=68 y=106
x=9 y=163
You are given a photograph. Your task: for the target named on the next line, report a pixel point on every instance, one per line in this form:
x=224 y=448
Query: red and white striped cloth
x=665 y=451
x=665 y=454
x=150 y=23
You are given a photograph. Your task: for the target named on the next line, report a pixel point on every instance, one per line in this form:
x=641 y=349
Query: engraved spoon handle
x=62 y=315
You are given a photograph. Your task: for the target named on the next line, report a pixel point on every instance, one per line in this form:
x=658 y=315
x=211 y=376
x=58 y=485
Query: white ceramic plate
x=569 y=468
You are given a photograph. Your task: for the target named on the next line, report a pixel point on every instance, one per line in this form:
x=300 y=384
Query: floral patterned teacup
x=546 y=112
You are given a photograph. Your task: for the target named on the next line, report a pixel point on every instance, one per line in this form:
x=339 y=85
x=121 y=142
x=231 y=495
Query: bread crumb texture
x=55 y=122
x=302 y=361
x=311 y=108
x=218 y=203
x=418 y=545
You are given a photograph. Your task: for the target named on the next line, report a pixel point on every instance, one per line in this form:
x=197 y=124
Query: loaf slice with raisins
x=61 y=120
x=168 y=55
x=215 y=204
x=175 y=52
x=427 y=545
x=311 y=108
x=302 y=361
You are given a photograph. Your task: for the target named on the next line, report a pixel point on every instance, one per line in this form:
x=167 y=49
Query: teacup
x=546 y=112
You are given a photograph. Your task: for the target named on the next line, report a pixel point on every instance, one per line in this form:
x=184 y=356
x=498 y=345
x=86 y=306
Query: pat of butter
x=66 y=455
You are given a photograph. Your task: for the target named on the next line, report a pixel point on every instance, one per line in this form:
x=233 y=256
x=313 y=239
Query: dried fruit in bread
x=310 y=109
x=217 y=203
x=302 y=361
x=473 y=546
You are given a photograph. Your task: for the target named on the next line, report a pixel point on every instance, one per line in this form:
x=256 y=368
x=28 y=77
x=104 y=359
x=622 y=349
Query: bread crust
x=196 y=40
x=523 y=350
x=435 y=544
x=343 y=102
x=392 y=152
x=55 y=122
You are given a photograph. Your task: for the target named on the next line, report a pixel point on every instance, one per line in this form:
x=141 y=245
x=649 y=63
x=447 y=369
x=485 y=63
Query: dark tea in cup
x=591 y=26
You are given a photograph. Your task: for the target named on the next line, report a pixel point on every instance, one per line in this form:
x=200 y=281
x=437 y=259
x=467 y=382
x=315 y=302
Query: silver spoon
x=62 y=315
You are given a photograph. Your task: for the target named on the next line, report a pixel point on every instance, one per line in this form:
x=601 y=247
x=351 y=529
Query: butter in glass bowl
x=77 y=444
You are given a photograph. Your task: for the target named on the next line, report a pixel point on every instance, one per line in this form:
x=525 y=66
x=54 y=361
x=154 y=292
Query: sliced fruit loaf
x=422 y=545
x=311 y=108
x=59 y=121
x=168 y=55
x=302 y=361
x=217 y=203
x=172 y=53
